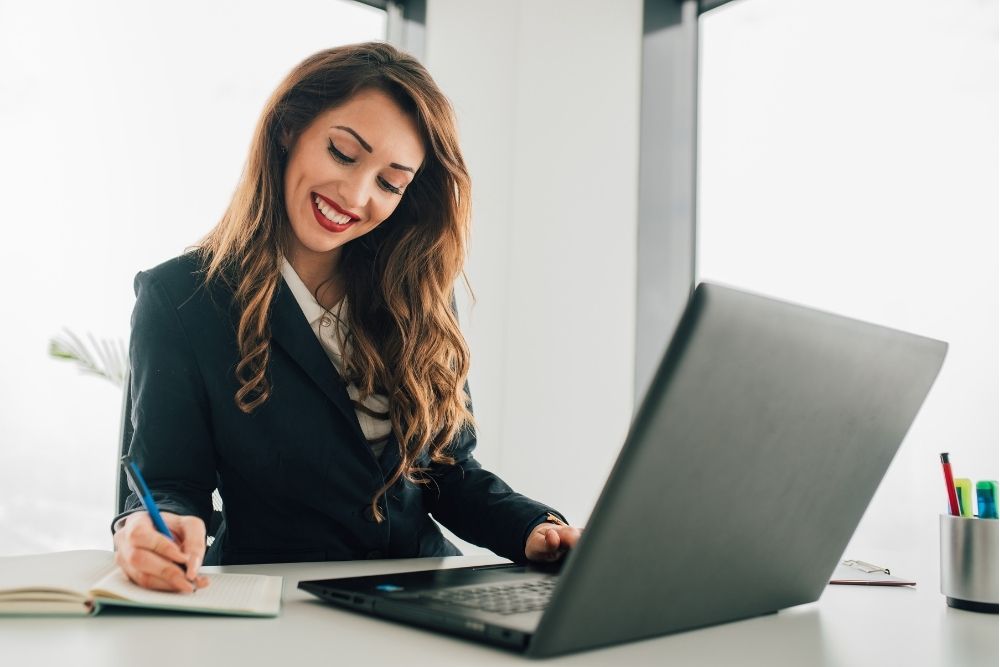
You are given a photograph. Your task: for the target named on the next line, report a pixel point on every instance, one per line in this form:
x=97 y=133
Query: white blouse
x=322 y=322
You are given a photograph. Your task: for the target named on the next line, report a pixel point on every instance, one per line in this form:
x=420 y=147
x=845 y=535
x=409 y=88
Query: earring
x=284 y=149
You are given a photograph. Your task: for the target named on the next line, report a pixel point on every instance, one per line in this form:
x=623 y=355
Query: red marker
x=949 y=481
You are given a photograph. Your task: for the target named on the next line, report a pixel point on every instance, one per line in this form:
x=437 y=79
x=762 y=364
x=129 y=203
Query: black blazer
x=296 y=476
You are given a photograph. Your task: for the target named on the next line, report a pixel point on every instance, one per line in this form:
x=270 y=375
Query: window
x=848 y=161
x=125 y=127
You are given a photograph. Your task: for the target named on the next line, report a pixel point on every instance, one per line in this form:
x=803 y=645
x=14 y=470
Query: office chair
x=216 y=528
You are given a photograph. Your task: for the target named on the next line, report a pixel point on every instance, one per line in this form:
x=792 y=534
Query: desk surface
x=849 y=625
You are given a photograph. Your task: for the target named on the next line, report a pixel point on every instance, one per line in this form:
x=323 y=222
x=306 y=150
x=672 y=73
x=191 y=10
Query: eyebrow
x=364 y=144
x=367 y=147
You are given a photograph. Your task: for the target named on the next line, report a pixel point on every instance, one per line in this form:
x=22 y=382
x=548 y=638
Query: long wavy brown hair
x=404 y=340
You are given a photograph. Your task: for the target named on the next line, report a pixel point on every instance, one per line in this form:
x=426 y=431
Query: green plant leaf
x=104 y=358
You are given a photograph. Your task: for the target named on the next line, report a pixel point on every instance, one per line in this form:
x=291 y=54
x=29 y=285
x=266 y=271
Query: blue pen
x=146 y=498
x=138 y=484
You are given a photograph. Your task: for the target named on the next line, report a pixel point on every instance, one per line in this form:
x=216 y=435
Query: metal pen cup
x=969 y=549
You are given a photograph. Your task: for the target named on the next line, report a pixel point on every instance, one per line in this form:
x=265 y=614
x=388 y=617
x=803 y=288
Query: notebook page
x=226 y=593
x=70 y=571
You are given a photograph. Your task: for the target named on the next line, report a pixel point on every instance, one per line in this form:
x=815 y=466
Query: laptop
x=758 y=445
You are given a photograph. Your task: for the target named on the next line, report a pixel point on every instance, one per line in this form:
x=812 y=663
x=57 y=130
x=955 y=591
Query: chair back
x=124 y=441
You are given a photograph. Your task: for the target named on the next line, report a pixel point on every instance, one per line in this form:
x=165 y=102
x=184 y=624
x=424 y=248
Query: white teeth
x=330 y=214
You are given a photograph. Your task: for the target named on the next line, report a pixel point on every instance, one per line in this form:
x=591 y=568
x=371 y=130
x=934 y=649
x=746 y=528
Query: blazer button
x=374 y=554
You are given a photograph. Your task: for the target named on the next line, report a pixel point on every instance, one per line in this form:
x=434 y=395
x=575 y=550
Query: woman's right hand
x=154 y=561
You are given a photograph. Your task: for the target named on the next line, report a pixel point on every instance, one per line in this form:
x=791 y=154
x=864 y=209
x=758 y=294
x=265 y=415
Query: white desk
x=849 y=625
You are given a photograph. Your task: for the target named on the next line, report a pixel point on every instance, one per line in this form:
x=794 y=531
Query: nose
x=355 y=191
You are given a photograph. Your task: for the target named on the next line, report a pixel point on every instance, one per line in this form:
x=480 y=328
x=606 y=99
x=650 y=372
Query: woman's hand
x=547 y=542
x=152 y=560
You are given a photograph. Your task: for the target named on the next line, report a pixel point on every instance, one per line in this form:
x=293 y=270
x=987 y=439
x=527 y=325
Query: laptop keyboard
x=513 y=598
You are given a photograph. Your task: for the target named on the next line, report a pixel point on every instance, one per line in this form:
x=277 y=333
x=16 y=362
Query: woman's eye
x=338 y=156
x=386 y=185
x=343 y=159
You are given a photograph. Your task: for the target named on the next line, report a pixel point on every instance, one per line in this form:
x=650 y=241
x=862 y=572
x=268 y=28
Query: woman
x=306 y=358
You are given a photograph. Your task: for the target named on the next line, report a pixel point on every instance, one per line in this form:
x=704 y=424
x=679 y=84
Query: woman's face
x=347 y=171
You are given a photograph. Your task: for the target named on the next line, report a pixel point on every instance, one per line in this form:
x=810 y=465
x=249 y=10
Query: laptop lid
x=760 y=442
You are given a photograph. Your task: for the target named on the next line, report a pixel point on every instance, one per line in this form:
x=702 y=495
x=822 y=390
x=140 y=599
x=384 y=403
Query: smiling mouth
x=329 y=217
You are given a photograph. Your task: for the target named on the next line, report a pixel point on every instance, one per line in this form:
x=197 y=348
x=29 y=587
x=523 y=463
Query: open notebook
x=82 y=582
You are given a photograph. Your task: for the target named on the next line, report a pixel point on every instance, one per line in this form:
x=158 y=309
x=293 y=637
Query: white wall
x=547 y=96
x=849 y=161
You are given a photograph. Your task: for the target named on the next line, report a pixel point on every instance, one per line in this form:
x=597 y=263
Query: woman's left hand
x=547 y=542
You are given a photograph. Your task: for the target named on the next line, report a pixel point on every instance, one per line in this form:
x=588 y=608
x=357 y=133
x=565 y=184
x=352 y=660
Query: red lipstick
x=324 y=221
x=332 y=204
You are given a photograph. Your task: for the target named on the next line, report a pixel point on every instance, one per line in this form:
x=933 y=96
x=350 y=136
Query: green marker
x=986 y=493
x=963 y=487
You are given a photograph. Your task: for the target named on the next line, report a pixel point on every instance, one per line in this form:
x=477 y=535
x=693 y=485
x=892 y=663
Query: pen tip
x=944 y=457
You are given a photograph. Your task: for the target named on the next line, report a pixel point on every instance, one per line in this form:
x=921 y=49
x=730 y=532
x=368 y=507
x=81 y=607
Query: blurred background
x=847 y=160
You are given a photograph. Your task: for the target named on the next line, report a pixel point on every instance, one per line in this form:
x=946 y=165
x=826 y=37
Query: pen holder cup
x=969 y=562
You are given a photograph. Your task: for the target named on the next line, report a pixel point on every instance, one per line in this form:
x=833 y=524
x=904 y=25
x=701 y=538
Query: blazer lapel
x=290 y=329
